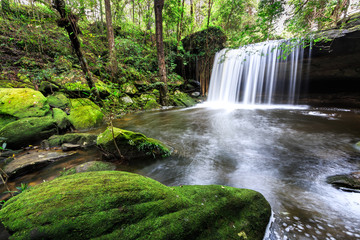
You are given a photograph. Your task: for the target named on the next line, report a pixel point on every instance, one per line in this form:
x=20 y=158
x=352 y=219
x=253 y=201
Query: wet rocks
x=347 y=182
x=121 y=205
x=70 y=147
x=92 y=166
x=33 y=160
x=83 y=139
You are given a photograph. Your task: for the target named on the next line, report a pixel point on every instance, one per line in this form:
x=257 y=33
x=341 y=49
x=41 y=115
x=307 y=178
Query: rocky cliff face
x=332 y=74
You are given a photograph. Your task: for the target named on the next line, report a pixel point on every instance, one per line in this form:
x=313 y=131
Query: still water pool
x=286 y=154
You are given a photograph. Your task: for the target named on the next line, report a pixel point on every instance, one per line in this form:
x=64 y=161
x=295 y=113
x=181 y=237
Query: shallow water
x=286 y=154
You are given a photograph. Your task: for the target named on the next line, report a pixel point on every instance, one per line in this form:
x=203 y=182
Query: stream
x=284 y=153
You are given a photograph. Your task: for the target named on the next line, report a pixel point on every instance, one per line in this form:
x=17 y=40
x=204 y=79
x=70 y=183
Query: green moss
x=6 y=119
x=58 y=100
x=129 y=88
x=83 y=139
x=120 y=205
x=152 y=104
x=132 y=145
x=23 y=102
x=92 y=166
x=182 y=99
x=85 y=114
x=28 y=130
x=60 y=118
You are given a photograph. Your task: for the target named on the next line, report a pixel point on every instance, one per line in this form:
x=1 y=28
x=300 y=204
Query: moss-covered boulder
x=23 y=103
x=58 y=100
x=129 y=88
x=61 y=118
x=132 y=145
x=120 y=205
x=182 y=99
x=85 y=114
x=149 y=101
x=92 y=166
x=82 y=139
x=27 y=131
x=6 y=119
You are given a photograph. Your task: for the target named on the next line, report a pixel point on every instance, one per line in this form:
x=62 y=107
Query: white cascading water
x=262 y=73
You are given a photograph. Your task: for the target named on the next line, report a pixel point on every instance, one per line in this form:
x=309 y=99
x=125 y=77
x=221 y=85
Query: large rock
x=61 y=118
x=85 y=114
x=6 y=119
x=58 y=100
x=92 y=166
x=33 y=160
x=82 y=139
x=132 y=145
x=120 y=205
x=347 y=182
x=28 y=131
x=182 y=99
x=331 y=75
x=149 y=101
x=23 y=103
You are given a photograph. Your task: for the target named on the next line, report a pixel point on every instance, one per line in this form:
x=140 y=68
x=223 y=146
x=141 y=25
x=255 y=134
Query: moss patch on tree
x=120 y=205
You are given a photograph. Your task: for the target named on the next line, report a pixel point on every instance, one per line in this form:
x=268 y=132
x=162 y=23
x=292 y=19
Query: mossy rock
x=129 y=88
x=61 y=118
x=85 y=114
x=150 y=101
x=23 y=103
x=132 y=145
x=6 y=119
x=147 y=97
x=58 y=100
x=83 y=139
x=92 y=166
x=27 y=131
x=346 y=182
x=182 y=99
x=121 y=205
x=152 y=104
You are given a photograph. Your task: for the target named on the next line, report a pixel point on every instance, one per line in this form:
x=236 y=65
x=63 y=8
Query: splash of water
x=262 y=73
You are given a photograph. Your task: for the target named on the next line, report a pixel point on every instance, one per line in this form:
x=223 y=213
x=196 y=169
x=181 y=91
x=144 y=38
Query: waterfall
x=262 y=73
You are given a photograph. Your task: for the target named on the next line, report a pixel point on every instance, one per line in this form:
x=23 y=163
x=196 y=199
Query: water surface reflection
x=286 y=154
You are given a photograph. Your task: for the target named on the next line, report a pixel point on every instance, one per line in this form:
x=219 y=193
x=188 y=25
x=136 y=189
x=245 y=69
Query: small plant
x=22 y=188
x=3 y=144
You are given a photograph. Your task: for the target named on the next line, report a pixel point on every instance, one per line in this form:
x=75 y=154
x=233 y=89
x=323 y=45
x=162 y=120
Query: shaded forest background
x=36 y=51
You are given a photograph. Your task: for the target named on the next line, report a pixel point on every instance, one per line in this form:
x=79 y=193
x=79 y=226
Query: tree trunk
x=101 y=18
x=133 y=11
x=69 y=22
x=209 y=13
x=110 y=37
x=158 y=6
